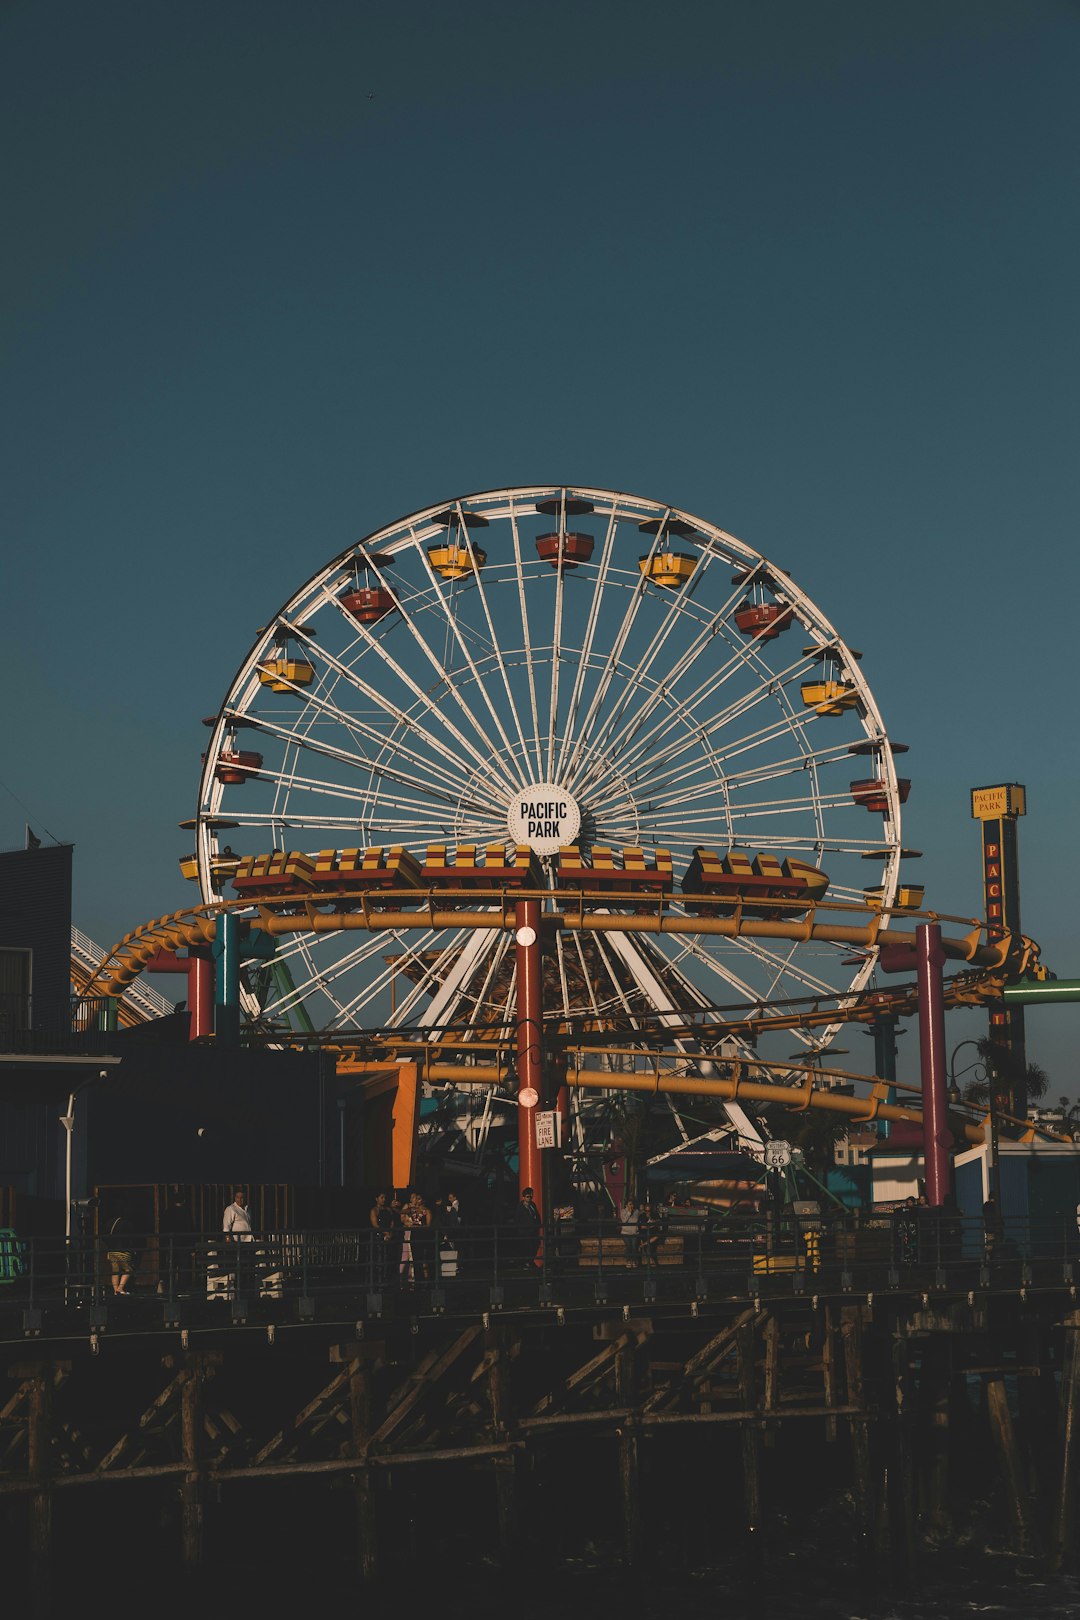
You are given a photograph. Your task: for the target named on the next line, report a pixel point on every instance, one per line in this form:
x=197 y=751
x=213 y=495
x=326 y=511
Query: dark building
x=84 y=1107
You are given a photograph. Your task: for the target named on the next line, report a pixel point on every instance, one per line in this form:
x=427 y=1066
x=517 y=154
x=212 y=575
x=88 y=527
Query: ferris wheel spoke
x=429 y=974
x=585 y=653
x=586 y=977
x=394 y=711
x=637 y=596
x=692 y=787
x=495 y=644
x=560 y=964
x=453 y=630
x=630 y=741
x=427 y=763
x=314 y=979
x=495 y=960
x=602 y=740
x=530 y=671
x=406 y=814
x=645 y=745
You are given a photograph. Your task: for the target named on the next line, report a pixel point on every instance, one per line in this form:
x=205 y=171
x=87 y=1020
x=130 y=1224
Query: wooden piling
x=39 y=1450
x=504 y=1467
x=628 y=1454
x=1001 y=1426
x=1063 y=1536
x=192 y=1379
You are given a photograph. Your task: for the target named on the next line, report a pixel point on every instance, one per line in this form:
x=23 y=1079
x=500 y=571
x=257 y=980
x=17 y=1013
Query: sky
x=276 y=274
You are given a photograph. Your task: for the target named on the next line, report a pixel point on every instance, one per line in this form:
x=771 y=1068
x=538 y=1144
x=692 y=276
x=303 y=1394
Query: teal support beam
x=227 y=980
x=884 y=1033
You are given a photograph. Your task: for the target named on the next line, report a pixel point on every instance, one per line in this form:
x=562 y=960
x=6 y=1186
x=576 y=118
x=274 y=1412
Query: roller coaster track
x=140 y=1002
x=373 y=909
x=990 y=963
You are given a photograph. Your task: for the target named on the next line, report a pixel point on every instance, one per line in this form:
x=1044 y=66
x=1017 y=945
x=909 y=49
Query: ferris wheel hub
x=543 y=816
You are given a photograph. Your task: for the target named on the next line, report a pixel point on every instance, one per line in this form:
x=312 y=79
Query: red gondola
x=237 y=765
x=873 y=794
x=367 y=603
x=569 y=549
x=763 y=620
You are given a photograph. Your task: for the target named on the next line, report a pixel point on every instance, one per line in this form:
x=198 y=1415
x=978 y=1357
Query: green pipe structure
x=1042 y=990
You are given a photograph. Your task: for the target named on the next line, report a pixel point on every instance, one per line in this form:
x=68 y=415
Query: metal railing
x=363 y=1272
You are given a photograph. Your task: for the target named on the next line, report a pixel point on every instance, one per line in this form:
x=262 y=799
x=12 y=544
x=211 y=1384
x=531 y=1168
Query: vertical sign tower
x=998 y=809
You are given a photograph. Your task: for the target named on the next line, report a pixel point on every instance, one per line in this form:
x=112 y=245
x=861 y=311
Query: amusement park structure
x=547 y=795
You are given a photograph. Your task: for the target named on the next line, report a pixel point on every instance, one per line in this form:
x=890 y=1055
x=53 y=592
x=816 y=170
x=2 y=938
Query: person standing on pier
x=382 y=1221
x=527 y=1224
x=992 y=1226
x=630 y=1229
x=236 y=1226
x=121 y=1256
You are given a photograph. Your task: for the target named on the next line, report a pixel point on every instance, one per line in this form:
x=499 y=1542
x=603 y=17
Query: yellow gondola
x=283 y=674
x=668 y=568
x=454 y=561
x=909 y=897
x=829 y=697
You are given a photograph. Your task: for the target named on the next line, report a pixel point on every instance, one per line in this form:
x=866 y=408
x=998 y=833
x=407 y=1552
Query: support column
x=883 y=1030
x=930 y=961
x=361 y=1408
x=1069 y=1444
x=898 y=1479
x=750 y=1430
x=935 y=1390
x=530 y=1029
x=191 y=1490
x=1001 y=1425
x=851 y=1325
x=226 y=963
x=200 y=993
x=629 y=1470
x=500 y=1406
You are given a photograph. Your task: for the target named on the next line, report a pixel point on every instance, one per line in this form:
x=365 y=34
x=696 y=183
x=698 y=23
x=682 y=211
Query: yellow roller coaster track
x=991 y=962
x=374 y=909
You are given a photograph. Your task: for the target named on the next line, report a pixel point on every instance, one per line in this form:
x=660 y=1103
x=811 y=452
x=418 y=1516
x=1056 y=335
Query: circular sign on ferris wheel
x=544 y=817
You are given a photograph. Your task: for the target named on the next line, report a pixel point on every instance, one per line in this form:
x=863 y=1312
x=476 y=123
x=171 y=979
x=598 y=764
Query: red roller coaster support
x=930 y=959
x=199 y=972
x=201 y=995
x=530 y=1014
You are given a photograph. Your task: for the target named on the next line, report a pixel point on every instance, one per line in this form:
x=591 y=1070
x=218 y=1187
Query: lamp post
x=992 y=1170
x=67 y=1120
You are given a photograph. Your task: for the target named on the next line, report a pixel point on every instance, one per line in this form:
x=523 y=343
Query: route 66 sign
x=777 y=1155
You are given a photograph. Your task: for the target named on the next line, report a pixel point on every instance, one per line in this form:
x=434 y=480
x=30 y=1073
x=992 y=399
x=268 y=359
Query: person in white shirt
x=237 y=1218
x=236 y=1225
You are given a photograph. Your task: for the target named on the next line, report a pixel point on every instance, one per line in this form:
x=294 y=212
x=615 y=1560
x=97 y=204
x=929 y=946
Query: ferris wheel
x=570 y=674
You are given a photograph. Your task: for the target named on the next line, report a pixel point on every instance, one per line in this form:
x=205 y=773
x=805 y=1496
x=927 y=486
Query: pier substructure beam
x=898 y=1477
x=935 y=1391
x=626 y=1393
x=1064 y=1529
x=504 y=1468
x=851 y=1332
x=1021 y=1528
x=192 y=1384
x=361 y=1360
x=40 y=1379
x=750 y=1435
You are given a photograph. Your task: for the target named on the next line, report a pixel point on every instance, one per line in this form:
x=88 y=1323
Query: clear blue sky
x=274 y=274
